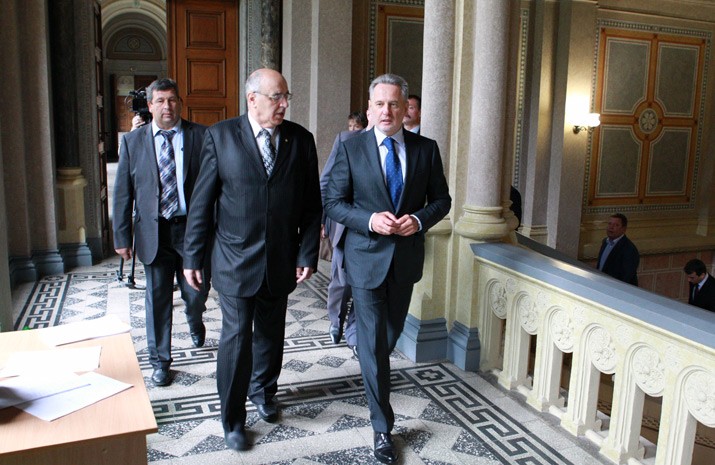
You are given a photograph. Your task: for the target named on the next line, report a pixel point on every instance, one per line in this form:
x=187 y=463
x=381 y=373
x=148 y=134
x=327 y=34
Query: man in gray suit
x=260 y=174
x=339 y=291
x=388 y=188
x=158 y=166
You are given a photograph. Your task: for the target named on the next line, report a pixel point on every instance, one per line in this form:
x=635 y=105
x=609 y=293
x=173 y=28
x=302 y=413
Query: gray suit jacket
x=265 y=226
x=356 y=190
x=137 y=187
x=335 y=230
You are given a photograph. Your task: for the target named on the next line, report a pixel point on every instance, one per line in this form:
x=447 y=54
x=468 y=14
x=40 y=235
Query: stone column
x=6 y=320
x=66 y=111
x=271 y=34
x=317 y=37
x=12 y=130
x=481 y=220
x=38 y=138
x=425 y=334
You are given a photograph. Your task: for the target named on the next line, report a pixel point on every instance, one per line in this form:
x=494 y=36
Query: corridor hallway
x=444 y=415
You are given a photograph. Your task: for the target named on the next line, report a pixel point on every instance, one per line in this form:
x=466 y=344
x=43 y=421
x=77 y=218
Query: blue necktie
x=169 y=202
x=393 y=172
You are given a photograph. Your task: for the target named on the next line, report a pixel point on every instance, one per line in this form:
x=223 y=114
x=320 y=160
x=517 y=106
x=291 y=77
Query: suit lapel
x=248 y=141
x=149 y=160
x=372 y=155
x=284 y=146
x=412 y=159
x=188 y=146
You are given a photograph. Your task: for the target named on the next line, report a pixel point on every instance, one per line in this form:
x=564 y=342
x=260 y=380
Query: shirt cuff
x=418 y=222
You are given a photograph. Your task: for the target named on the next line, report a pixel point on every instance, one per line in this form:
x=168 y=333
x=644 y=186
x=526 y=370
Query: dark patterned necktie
x=268 y=152
x=393 y=172
x=169 y=201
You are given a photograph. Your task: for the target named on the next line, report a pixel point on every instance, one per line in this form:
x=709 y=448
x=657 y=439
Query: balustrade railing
x=650 y=345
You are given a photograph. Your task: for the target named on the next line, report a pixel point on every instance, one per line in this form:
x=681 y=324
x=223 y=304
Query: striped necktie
x=169 y=202
x=393 y=172
x=268 y=152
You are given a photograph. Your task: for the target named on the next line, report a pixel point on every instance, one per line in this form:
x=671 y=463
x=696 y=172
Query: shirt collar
x=398 y=137
x=256 y=128
x=155 y=129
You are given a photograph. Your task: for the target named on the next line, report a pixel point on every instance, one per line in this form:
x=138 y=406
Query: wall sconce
x=587 y=122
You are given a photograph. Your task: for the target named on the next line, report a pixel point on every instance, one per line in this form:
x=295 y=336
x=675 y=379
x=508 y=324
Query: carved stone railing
x=650 y=344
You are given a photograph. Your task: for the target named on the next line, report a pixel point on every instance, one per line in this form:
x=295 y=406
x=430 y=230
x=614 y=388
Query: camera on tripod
x=139 y=104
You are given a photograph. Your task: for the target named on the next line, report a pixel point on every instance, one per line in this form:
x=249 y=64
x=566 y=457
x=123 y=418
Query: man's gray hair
x=392 y=79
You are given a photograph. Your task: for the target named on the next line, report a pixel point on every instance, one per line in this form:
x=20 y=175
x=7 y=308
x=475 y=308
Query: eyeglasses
x=277 y=97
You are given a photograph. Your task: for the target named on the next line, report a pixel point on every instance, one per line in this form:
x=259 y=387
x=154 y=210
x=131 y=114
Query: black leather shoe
x=268 y=412
x=198 y=336
x=335 y=335
x=236 y=440
x=384 y=448
x=161 y=377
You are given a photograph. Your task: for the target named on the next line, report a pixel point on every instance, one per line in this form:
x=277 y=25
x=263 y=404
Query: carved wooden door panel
x=203 y=57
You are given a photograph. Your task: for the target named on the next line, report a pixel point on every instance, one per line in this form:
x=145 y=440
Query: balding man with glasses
x=260 y=176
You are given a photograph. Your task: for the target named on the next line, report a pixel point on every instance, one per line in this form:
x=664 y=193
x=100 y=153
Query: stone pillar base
x=48 y=262
x=76 y=255
x=464 y=348
x=423 y=340
x=22 y=270
x=70 y=206
x=484 y=224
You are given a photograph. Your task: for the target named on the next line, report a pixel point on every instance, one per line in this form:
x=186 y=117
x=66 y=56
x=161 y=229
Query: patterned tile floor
x=444 y=415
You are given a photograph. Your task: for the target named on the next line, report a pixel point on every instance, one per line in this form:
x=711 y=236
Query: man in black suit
x=388 y=188
x=618 y=256
x=260 y=174
x=158 y=166
x=702 y=285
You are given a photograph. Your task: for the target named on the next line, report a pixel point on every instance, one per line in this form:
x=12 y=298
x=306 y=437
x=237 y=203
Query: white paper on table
x=65 y=359
x=53 y=407
x=82 y=330
x=34 y=386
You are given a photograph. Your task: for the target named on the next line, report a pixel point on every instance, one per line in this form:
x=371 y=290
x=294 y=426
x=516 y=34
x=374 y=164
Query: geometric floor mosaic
x=443 y=414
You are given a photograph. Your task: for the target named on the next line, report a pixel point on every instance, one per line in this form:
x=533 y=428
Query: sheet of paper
x=82 y=330
x=14 y=391
x=63 y=359
x=53 y=407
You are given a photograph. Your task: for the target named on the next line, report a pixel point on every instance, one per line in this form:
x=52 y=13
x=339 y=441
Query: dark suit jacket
x=137 y=186
x=335 y=230
x=622 y=262
x=265 y=226
x=356 y=190
x=706 y=295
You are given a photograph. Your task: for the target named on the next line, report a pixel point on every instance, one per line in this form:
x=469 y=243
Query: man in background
x=156 y=175
x=618 y=256
x=413 y=117
x=702 y=285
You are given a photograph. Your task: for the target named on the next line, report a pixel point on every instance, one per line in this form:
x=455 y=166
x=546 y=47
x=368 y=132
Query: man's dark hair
x=161 y=84
x=622 y=217
x=360 y=117
x=416 y=97
x=695 y=266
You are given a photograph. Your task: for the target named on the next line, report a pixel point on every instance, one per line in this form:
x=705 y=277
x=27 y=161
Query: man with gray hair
x=388 y=188
x=260 y=175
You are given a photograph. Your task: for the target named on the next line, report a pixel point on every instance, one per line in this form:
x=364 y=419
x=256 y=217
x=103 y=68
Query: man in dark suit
x=618 y=256
x=702 y=285
x=158 y=166
x=260 y=174
x=339 y=292
x=413 y=116
x=388 y=188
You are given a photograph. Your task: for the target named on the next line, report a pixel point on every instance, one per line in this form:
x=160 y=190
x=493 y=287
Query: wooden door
x=203 y=57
